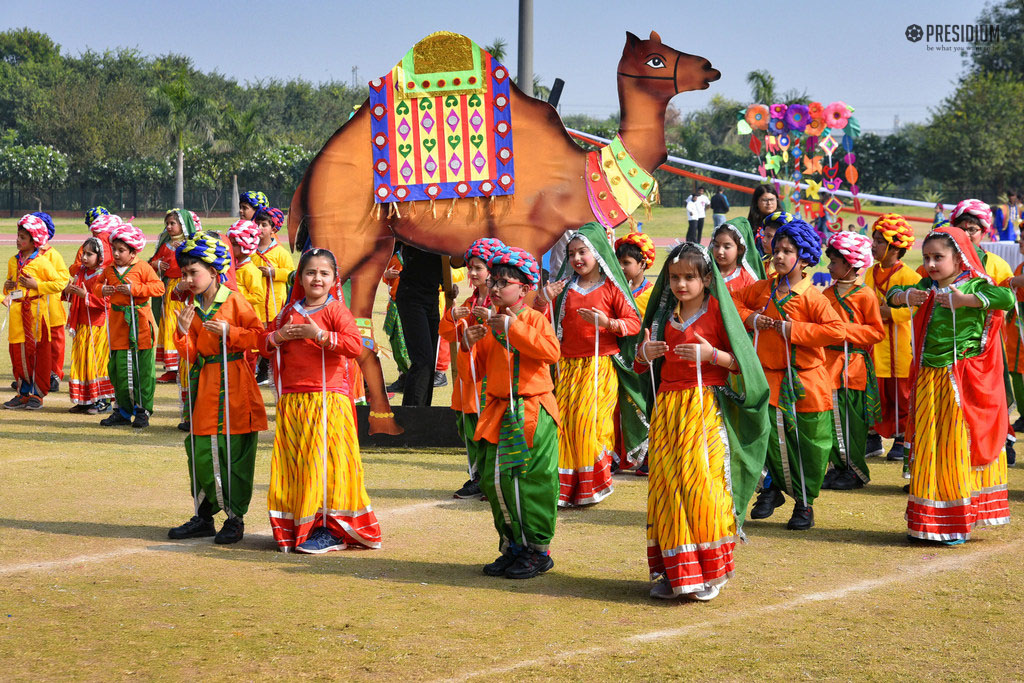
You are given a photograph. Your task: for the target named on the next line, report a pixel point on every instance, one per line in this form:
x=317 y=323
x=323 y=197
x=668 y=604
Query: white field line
x=907 y=573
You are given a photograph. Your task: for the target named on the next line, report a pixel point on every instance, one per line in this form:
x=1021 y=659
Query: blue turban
x=803 y=235
x=51 y=229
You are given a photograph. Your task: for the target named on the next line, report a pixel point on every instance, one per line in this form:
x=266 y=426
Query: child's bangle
x=714 y=356
x=643 y=354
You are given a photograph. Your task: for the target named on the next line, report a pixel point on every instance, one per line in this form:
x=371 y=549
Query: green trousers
x=393 y=329
x=849 y=433
x=466 y=424
x=1017 y=381
x=527 y=506
x=133 y=374
x=802 y=470
x=208 y=471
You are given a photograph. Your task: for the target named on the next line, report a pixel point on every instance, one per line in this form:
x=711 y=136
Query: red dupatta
x=984 y=410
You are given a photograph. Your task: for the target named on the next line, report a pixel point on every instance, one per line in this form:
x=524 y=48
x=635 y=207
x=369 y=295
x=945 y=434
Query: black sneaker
x=847 y=480
x=440 y=379
x=529 y=563
x=1011 y=455
x=906 y=488
x=767 y=501
x=802 y=519
x=874 y=446
x=830 y=477
x=33 y=403
x=263 y=372
x=193 y=528
x=1018 y=425
x=896 y=452
x=500 y=565
x=116 y=419
x=470 y=489
x=16 y=403
x=184 y=426
x=141 y=421
x=398 y=386
x=231 y=532
x=54 y=383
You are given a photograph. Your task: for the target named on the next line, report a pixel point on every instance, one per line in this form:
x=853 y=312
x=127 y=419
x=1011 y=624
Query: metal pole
x=525 y=77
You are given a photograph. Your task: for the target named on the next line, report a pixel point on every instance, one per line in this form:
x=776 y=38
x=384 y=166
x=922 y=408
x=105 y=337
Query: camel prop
x=356 y=198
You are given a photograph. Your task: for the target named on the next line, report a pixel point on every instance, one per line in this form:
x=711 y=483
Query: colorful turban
x=130 y=235
x=804 y=236
x=104 y=223
x=276 y=216
x=976 y=208
x=520 y=259
x=207 y=249
x=895 y=230
x=256 y=200
x=855 y=248
x=36 y=228
x=51 y=229
x=246 y=235
x=781 y=216
x=95 y=212
x=643 y=242
x=941 y=223
x=483 y=249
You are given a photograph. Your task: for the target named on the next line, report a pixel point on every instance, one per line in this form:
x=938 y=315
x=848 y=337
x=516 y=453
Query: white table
x=1010 y=251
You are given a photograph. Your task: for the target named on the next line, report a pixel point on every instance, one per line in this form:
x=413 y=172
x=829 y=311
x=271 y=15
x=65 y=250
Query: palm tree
x=239 y=136
x=762 y=86
x=497 y=49
x=182 y=111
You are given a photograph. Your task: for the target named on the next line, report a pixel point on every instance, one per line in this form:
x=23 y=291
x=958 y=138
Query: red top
x=463 y=398
x=165 y=253
x=300 y=370
x=90 y=310
x=578 y=334
x=678 y=374
x=739 y=279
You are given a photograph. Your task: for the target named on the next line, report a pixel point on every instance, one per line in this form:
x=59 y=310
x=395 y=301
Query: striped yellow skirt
x=586 y=440
x=90 y=353
x=948 y=497
x=166 y=352
x=299 y=469
x=691 y=524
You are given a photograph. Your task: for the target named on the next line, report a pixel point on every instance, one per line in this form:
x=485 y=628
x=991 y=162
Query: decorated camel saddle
x=441 y=124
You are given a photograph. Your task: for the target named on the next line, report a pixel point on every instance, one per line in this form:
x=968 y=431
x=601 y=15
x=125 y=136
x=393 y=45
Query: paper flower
x=797 y=117
x=777 y=125
x=836 y=115
x=815 y=127
x=778 y=111
x=815 y=110
x=757 y=116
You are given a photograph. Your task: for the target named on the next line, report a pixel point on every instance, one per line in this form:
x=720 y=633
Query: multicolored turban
x=275 y=216
x=855 y=248
x=207 y=249
x=483 y=249
x=95 y=212
x=977 y=208
x=104 y=223
x=643 y=242
x=256 y=200
x=781 y=216
x=804 y=236
x=246 y=235
x=895 y=229
x=130 y=235
x=520 y=259
x=51 y=229
x=36 y=228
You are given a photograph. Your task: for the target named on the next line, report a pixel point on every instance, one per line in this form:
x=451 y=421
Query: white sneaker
x=663 y=590
x=705 y=595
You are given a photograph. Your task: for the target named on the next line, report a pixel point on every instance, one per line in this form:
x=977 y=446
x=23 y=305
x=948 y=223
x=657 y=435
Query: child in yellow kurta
x=58 y=314
x=226 y=407
x=793 y=323
x=130 y=284
x=275 y=263
x=31 y=280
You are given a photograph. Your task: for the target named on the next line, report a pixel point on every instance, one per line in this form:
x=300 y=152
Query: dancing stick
x=512 y=404
x=323 y=428
x=700 y=398
x=796 y=429
x=132 y=367
x=846 y=392
x=227 y=411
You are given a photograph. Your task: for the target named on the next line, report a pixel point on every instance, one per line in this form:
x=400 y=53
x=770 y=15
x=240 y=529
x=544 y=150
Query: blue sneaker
x=319 y=542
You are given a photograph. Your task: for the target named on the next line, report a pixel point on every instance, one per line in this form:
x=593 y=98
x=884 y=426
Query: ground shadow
x=381 y=458
x=894 y=490
x=777 y=529
x=95 y=529
x=604 y=516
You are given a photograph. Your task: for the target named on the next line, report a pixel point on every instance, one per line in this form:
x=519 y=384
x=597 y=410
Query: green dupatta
x=744 y=403
x=633 y=413
x=188 y=229
x=752 y=262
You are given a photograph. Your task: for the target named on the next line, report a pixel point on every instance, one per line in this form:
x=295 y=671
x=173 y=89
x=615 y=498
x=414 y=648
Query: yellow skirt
x=166 y=352
x=90 y=352
x=586 y=440
x=691 y=524
x=297 y=474
x=948 y=496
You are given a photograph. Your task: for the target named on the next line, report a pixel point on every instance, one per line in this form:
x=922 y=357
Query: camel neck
x=643 y=126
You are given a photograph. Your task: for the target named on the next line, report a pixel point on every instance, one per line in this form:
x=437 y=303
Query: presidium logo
x=953 y=37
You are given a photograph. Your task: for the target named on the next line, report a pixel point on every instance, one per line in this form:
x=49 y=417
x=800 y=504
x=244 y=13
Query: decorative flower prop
x=778 y=111
x=797 y=117
x=757 y=116
x=815 y=127
x=777 y=126
x=836 y=115
x=816 y=110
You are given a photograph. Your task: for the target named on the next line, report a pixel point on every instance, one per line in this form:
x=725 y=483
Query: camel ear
x=655 y=37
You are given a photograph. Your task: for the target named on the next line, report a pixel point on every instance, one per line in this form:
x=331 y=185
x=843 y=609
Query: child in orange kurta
x=130 y=284
x=793 y=323
x=519 y=422
x=855 y=392
x=225 y=405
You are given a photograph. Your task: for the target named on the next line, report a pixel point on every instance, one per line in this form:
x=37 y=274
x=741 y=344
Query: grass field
x=91 y=589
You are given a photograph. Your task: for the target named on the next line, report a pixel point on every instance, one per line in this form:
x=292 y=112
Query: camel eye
x=655 y=62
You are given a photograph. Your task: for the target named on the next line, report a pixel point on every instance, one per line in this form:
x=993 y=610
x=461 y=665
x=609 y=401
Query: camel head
x=660 y=70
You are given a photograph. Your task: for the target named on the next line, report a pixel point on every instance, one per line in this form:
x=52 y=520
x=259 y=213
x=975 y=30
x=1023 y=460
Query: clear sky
x=852 y=51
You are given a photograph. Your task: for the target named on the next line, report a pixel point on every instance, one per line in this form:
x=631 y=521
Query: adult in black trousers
x=417 y=308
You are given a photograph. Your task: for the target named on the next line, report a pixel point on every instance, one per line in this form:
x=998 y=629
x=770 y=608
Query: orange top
x=145 y=284
x=396 y=264
x=203 y=349
x=451 y=331
x=300 y=370
x=530 y=333
x=739 y=279
x=578 y=335
x=863 y=332
x=815 y=325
